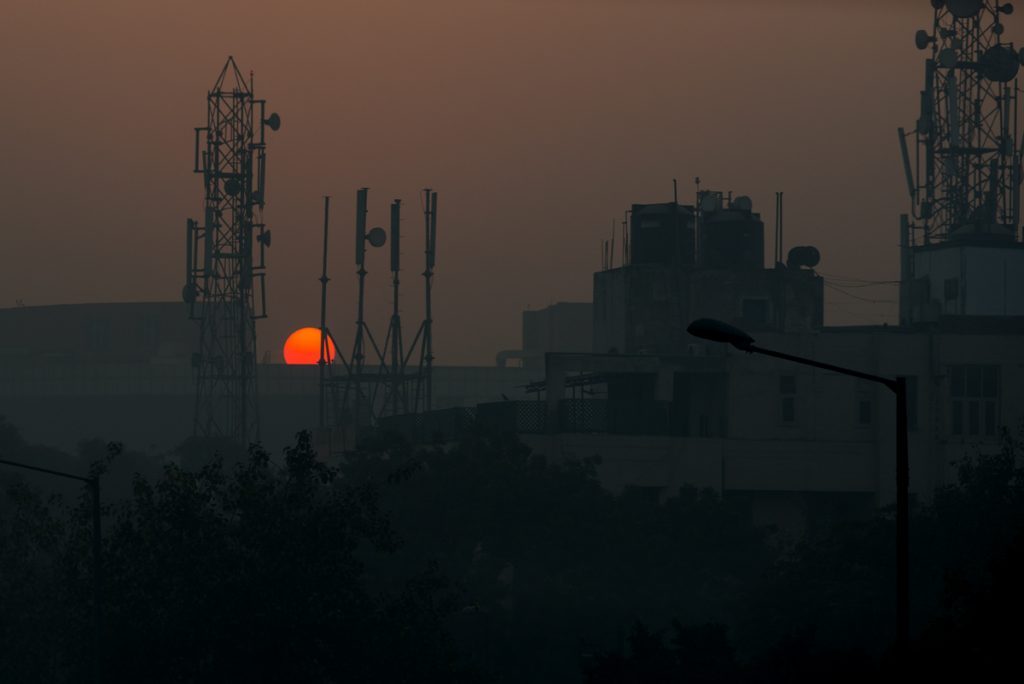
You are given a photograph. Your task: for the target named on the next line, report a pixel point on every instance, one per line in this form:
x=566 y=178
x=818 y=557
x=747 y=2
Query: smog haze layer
x=538 y=123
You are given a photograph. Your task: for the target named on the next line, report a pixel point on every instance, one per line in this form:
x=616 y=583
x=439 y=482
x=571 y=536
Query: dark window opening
x=864 y=411
x=704 y=429
x=974 y=397
x=951 y=288
x=788 y=409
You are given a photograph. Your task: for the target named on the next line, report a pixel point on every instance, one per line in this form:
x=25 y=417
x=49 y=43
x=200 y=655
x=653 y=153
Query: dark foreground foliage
x=825 y=611
x=405 y=564
x=247 y=575
x=554 y=567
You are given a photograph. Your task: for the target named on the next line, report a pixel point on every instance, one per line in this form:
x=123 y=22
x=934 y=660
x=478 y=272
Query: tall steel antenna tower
x=964 y=179
x=225 y=266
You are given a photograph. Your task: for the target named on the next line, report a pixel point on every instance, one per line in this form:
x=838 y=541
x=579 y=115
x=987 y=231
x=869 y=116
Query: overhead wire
x=858 y=297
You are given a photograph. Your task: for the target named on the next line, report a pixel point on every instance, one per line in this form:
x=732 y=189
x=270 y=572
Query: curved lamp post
x=97 y=536
x=718 y=331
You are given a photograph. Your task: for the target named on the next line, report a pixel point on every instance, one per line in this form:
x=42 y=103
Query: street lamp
x=94 y=488
x=717 y=331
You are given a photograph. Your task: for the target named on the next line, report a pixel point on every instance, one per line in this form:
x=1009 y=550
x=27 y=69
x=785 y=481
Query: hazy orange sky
x=538 y=122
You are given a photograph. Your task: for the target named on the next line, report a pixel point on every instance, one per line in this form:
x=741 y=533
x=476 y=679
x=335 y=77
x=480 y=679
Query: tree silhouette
x=251 y=575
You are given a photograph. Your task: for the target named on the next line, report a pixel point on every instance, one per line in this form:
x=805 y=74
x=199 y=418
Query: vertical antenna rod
x=428 y=318
x=397 y=369
x=324 y=353
x=358 y=356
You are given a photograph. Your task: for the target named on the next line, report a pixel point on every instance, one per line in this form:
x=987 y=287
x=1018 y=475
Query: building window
x=704 y=426
x=787 y=392
x=864 y=411
x=974 y=400
x=951 y=288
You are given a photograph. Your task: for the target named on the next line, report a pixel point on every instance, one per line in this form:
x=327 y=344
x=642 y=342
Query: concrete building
x=564 y=326
x=644 y=306
x=662 y=409
x=789 y=438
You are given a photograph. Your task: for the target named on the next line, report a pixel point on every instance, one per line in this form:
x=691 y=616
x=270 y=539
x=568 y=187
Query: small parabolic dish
x=742 y=203
x=377 y=237
x=999 y=63
x=803 y=257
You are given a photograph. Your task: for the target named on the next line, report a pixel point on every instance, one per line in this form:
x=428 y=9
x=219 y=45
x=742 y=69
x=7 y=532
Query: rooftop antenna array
x=964 y=175
x=382 y=379
x=225 y=257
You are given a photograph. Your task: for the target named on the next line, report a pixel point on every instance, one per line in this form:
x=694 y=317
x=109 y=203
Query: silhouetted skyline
x=538 y=122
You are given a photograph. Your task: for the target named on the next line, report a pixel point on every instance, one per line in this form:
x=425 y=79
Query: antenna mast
x=325 y=356
x=398 y=399
x=225 y=266
x=425 y=378
x=964 y=179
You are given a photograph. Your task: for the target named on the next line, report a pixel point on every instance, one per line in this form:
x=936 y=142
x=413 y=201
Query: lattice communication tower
x=964 y=180
x=225 y=266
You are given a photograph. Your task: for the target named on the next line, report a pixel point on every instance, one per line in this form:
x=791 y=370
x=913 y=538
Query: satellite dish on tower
x=922 y=39
x=999 y=63
x=274 y=121
x=742 y=203
x=804 y=256
x=377 y=237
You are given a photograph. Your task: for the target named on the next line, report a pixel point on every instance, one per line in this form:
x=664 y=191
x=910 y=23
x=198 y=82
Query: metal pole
x=357 y=351
x=397 y=372
x=97 y=574
x=97 y=555
x=888 y=382
x=428 y=330
x=322 y=362
x=902 y=521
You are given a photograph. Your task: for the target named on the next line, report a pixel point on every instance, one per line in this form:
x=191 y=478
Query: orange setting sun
x=303 y=347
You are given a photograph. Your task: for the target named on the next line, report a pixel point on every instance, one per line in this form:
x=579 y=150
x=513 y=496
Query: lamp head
x=718 y=331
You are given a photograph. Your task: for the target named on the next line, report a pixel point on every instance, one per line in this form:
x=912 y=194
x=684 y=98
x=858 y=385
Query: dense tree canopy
x=553 y=565
x=479 y=560
x=247 y=575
